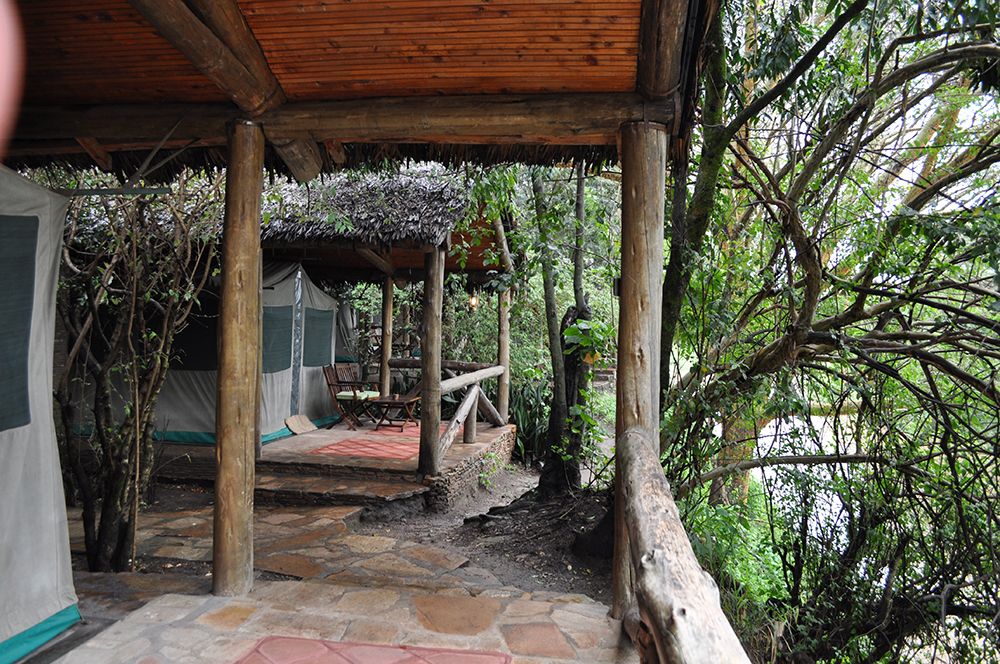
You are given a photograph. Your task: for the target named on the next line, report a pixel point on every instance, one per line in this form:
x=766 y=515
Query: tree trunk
x=689 y=222
x=558 y=410
x=561 y=469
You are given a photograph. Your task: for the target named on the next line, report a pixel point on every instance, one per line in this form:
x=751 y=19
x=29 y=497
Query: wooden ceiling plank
x=662 y=25
x=179 y=26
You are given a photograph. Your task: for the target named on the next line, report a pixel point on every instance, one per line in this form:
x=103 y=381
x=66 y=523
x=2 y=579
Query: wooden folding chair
x=349 y=394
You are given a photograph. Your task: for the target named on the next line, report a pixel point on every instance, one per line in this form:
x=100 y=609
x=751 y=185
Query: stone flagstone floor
x=354 y=589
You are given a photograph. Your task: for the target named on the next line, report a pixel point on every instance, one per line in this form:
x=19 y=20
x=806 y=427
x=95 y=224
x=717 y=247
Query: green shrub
x=529 y=409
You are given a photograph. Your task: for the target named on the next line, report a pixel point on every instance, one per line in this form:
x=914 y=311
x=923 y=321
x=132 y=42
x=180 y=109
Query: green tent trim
x=35 y=637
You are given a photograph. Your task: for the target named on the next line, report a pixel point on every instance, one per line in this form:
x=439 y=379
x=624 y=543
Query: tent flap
x=36 y=579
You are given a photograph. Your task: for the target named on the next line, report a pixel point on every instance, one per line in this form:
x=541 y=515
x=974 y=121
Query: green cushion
x=361 y=394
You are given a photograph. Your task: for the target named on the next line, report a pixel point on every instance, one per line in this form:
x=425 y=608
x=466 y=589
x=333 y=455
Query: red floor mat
x=382 y=444
x=288 y=650
x=386 y=448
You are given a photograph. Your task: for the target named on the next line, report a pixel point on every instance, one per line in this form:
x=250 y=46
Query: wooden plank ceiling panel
x=103 y=52
x=330 y=49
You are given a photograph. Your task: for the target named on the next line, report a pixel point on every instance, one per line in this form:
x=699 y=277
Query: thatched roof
x=415 y=208
x=334 y=224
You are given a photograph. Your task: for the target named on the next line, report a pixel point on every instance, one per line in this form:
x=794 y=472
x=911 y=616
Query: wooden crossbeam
x=302 y=157
x=581 y=119
x=570 y=119
x=179 y=26
x=96 y=152
x=228 y=23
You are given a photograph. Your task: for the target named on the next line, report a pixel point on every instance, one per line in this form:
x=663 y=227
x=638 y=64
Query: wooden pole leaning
x=429 y=463
x=385 y=384
x=236 y=424
x=644 y=152
x=503 y=353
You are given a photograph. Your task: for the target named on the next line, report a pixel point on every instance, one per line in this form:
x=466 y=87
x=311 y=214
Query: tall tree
x=855 y=278
x=559 y=409
x=561 y=469
x=133 y=270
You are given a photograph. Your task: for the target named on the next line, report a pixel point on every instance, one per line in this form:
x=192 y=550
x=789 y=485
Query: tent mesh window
x=277 y=339
x=318 y=338
x=17 y=269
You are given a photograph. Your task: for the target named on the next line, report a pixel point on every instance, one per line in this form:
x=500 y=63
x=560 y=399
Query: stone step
x=201 y=469
x=284 y=489
x=390 y=470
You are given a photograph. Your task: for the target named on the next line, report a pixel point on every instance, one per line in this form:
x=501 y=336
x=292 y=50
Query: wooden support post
x=644 y=156
x=385 y=387
x=429 y=463
x=239 y=343
x=503 y=353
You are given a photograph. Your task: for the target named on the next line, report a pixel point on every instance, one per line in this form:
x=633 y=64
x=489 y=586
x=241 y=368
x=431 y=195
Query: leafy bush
x=529 y=409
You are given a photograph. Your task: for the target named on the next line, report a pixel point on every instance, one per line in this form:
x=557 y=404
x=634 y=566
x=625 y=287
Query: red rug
x=366 y=447
x=386 y=443
x=289 y=650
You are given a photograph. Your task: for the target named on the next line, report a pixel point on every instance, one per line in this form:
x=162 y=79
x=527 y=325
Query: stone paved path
x=287 y=650
x=355 y=589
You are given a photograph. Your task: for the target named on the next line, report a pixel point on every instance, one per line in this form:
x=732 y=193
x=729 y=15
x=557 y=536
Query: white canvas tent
x=299 y=339
x=37 y=600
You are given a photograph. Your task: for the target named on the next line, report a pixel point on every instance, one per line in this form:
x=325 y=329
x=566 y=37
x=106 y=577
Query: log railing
x=676 y=616
x=473 y=396
x=474 y=399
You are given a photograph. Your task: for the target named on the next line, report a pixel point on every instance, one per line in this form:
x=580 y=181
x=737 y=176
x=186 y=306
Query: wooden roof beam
x=215 y=37
x=571 y=119
x=663 y=25
x=380 y=259
x=196 y=41
x=97 y=153
x=227 y=22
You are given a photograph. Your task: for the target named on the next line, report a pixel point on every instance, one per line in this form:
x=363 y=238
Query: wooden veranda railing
x=474 y=400
x=473 y=395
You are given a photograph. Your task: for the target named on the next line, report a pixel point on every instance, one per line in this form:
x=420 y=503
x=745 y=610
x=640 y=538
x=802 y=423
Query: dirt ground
x=527 y=545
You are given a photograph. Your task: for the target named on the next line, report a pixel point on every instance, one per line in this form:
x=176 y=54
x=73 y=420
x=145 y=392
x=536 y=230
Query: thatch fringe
x=356 y=155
